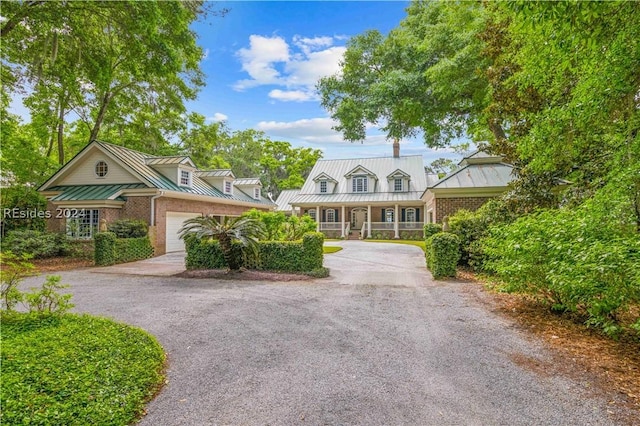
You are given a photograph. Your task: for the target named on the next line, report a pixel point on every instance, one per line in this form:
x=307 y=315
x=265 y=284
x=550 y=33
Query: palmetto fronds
x=231 y=232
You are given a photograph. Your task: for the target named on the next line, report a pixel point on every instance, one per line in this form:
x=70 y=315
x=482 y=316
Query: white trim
x=106 y=168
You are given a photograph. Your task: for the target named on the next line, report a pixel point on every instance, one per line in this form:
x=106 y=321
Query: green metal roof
x=92 y=192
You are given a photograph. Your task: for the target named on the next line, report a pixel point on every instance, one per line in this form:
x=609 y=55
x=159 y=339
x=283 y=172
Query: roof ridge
x=370 y=158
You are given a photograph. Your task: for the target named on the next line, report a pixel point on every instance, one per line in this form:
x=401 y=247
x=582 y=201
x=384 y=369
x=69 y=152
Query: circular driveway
x=377 y=343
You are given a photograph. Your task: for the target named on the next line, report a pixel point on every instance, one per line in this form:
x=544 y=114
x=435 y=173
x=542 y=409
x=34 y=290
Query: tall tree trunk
x=100 y=118
x=61 y=132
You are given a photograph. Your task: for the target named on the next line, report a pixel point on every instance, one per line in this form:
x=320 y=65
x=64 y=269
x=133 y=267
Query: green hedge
x=430 y=229
x=443 y=253
x=285 y=256
x=110 y=250
x=39 y=244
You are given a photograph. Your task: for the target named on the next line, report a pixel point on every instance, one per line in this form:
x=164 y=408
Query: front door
x=358 y=217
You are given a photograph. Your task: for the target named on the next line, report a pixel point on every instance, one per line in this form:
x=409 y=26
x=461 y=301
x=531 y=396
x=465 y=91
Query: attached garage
x=174 y=223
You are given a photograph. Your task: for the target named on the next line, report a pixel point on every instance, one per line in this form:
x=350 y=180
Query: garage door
x=174 y=223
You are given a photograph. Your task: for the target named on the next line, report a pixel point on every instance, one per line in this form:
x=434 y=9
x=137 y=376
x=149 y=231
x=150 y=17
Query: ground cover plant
x=76 y=370
x=61 y=368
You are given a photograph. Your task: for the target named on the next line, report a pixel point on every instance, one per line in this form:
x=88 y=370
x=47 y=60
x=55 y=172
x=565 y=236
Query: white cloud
x=259 y=60
x=290 y=95
x=218 y=116
x=316 y=131
x=295 y=66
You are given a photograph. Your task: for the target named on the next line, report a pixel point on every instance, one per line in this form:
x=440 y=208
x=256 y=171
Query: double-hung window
x=331 y=215
x=185 y=178
x=83 y=225
x=323 y=186
x=389 y=215
x=397 y=184
x=360 y=184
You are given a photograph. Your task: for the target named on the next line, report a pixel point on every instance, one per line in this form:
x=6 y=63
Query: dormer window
x=101 y=169
x=185 y=178
x=256 y=193
x=360 y=184
x=228 y=187
x=397 y=184
x=323 y=187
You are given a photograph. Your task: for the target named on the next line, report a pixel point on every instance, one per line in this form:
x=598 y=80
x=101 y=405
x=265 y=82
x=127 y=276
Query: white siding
x=83 y=173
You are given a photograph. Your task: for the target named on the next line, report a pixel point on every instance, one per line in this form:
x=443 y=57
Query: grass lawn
x=418 y=243
x=330 y=249
x=76 y=370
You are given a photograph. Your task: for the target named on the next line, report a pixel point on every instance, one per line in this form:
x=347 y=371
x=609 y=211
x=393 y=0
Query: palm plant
x=242 y=232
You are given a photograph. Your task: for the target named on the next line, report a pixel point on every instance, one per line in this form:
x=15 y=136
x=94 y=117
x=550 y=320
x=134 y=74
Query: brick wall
x=137 y=208
x=448 y=206
x=164 y=205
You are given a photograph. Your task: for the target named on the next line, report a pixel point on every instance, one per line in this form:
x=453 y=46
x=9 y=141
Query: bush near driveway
x=284 y=256
x=442 y=252
x=110 y=250
x=76 y=370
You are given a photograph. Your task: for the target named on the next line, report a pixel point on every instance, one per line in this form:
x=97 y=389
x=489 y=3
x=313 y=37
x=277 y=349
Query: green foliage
x=582 y=260
x=431 y=229
x=109 y=249
x=76 y=369
x=243 y=232
x=443 y=253
x=13 y=269
x=284 y=256
x=129 y=228
x=38 y=244
x=47 y=300
x=21 y=200
x=279 y=227
x=105 y=248
x=131 y=249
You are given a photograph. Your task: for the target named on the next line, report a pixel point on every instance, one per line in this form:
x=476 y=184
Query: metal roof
x=159 y=161
x=284 y=199
x=381 y=167
x=137 y=162
x=215 y=173
x=488 y=175
x=370 y=197
x=247 y=182
x=92 y=192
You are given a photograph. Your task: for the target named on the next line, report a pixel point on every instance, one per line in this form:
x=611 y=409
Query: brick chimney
x=396 y=148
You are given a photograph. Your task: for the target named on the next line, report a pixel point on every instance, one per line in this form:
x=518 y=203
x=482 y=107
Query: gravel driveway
x=378 y=343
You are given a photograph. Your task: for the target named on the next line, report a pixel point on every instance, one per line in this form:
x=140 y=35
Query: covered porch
x=368 y=221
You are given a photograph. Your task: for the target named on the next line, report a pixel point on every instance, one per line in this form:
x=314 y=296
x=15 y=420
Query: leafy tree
x=241 y=232
x=130 y=64
x=424 y=76
x=442 y=166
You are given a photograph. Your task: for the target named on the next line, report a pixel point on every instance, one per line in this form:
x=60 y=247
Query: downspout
x=153 y=207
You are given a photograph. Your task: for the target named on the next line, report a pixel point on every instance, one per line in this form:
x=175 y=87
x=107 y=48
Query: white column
x=342 y=235
x=395 y=223
x=369 y=221
x=318 y=218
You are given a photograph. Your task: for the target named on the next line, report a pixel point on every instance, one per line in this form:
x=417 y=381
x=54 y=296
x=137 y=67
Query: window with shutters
x=331 y=215
x=389 y=215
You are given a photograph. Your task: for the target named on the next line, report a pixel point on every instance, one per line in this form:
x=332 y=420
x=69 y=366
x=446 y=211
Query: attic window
x=256 y=193
x=360 y=184
x=397 y=184
x=227 y=187
x=101 y=168
x=323 y=186
x=185 y=178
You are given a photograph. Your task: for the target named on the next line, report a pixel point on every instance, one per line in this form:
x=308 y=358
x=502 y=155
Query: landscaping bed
x=76 y=369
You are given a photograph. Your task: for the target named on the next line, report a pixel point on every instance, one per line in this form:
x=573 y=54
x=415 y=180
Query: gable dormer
x=178 y=169
x=250 y=186
x=398 y=181
x=361 y=180
x=325 y=184
x=221 y=179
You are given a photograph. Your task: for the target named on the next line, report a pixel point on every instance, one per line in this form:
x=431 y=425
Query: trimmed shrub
x=443 y=253
x=312 y=254
x=105 y=248
x=130 y=249
x=129 y=228
x=284 y=256
x=38 y=244
x=203 y=254
x=110 y=250
x=430 y=229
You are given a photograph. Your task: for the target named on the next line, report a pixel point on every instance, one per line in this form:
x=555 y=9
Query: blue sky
x=262 y=61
